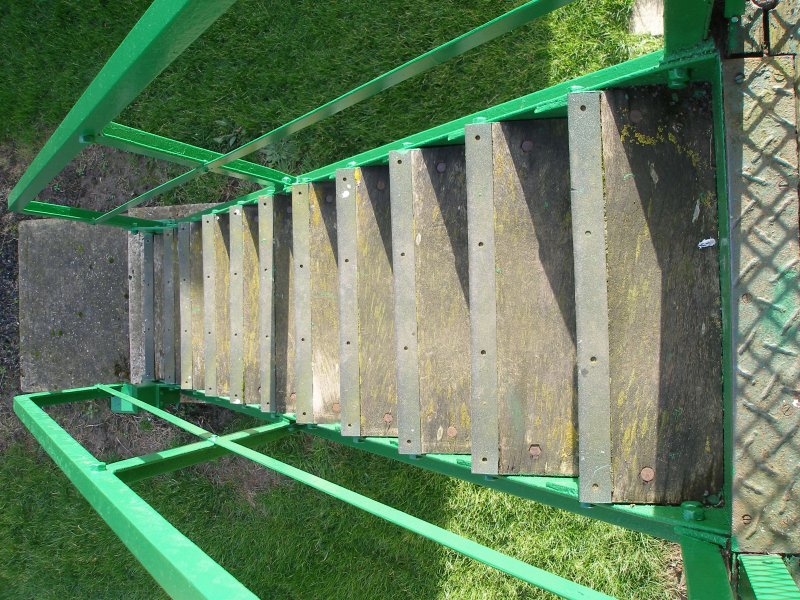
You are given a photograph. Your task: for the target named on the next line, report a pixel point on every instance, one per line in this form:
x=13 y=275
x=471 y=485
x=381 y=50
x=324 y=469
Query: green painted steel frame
x=165 y=30
x=174 y=561
x=168 y=27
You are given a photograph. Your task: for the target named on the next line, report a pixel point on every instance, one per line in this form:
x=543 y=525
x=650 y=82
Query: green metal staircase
x=554 y=297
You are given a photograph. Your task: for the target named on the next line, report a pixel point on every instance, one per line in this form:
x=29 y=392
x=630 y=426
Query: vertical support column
x=762 y=155
x=148 y=313
x=482 y=298
x=405 y=302
x=591 y=297
x=266 y=313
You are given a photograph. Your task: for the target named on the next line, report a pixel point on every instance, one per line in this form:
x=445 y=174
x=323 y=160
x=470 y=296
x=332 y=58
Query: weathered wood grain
x=663 y=294
x=324 y=304
x=216 y=269
x=283 y=305
x=535 y=299
x=372 y=303
x=196 y=302
x=443 y=335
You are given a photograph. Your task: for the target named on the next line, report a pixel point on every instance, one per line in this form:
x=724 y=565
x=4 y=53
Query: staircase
x=544 y=297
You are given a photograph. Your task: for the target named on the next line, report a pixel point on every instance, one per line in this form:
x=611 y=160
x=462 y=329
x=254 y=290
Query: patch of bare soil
x=100 y=179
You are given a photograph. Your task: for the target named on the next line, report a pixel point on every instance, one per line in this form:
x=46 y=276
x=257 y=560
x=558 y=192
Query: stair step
x=368 y=366
x=216 y=300
x=429 y=252
x=283 y=300
x=245 y=374
x=166 y=307
x=650 y=396
x=316 y=308
x=522 y=299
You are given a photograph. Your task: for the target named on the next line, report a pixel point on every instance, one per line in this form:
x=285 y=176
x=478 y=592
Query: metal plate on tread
x=185 y=303
x=346 y=225
x=403 y=265
x=483 y=313
x=266 y=316
x=236 y=304
x=304 y=405
x=591 y=299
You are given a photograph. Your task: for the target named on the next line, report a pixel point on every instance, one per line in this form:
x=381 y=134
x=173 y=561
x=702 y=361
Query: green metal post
x=706 y=572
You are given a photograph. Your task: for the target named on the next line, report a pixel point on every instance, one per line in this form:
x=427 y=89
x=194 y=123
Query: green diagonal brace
x=130 y=139
x=163 y=32
x=176 y=563
x=514 y=567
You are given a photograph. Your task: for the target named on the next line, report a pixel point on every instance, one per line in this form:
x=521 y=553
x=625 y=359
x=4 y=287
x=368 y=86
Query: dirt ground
x=99 y=179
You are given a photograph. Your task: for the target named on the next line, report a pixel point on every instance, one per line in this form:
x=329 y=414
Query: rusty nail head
x=527 y=146
x=441 y=167
x=535 y=450
x=636 y=116
x=452 y=431
x=647 y=474
x=387 y=418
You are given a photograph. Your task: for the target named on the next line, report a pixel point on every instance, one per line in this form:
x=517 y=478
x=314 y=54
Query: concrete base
x=73 y=305
x=648 y=17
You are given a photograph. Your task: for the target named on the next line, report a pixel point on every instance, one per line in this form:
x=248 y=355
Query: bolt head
x=635 y=116
x=527 y=146
x=647 y=474
x=535 y=451
x=381 y=185
x=388 y=418
x=441 y=167
x=452 y=432
x=336 y=407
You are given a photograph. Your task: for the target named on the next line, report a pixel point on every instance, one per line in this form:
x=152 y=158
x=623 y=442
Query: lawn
x=260 y=65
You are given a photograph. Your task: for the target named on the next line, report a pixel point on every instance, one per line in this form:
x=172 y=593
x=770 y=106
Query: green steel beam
x=686 y=24
x=666 y=522
x=129 y=139
x=42 y=399
x=765 y=577
x=165 y=30
x=512 y=566
x=46 y=209
x=551 y=101
x=176 y=563
x=706 y=570
x=166 y=461
x=480 y=35
x=148 y=195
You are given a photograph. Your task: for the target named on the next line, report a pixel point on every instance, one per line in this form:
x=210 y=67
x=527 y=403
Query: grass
x=257 y=67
